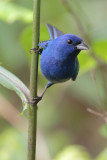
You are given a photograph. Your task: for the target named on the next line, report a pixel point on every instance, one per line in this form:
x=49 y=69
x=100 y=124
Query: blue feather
x=54 y=32
x=59 y=61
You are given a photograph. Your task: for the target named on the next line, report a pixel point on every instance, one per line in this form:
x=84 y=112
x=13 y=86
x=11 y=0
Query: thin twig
x=101 y=115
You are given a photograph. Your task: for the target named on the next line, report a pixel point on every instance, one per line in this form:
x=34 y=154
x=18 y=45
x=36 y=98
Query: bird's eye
x=69 y=41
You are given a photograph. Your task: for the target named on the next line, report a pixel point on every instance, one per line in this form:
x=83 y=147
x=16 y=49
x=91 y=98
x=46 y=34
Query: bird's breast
x=58 y=71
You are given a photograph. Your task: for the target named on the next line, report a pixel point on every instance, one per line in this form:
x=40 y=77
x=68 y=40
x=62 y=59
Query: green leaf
x=11 y=12
x=10 y=81
x=86 y=62
x=103 y=130
x=100 y=48
x=12 y=145
x=74 y=152
x=102 y=155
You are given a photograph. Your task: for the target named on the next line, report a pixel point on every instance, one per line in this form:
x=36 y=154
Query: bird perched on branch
x=59 y=61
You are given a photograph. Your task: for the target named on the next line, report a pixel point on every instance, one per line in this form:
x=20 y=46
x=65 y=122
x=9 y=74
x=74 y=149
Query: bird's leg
x=38 y=98
x=37 y=50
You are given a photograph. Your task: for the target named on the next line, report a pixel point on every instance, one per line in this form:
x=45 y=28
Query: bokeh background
x=72 y=116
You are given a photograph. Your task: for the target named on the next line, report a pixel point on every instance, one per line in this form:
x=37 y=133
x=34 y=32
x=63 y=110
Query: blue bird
x=59 y=62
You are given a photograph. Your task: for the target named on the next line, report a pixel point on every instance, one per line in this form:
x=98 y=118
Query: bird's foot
x=37 y=99
x=36 y=50
x=34 y=100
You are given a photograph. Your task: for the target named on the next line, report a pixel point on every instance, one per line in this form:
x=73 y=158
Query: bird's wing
x=76 y=70
x=54 y=32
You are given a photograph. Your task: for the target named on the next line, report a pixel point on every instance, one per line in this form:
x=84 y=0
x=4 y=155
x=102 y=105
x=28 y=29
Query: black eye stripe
x=77 y=43
x=69 y=41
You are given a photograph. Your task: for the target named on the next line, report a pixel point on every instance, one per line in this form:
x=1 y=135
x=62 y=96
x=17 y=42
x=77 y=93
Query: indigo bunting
x=59 y=62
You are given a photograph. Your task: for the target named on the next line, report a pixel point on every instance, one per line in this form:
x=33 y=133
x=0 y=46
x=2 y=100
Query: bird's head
x=68 y=45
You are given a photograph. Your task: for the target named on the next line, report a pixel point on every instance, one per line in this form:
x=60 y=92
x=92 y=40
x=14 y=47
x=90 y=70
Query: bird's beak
x=82 y=46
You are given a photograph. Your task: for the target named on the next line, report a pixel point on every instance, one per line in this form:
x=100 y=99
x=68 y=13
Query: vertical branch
x=32 y=110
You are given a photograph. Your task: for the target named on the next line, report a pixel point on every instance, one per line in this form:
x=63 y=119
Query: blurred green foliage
x=12 y=145
x=103 y=155
x=73 y=152
x=62 y=115
x=11 y=12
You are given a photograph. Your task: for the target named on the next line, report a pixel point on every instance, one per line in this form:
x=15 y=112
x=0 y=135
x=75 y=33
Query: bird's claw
x=37 y=99
x=34 y=100
x=36 y=50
